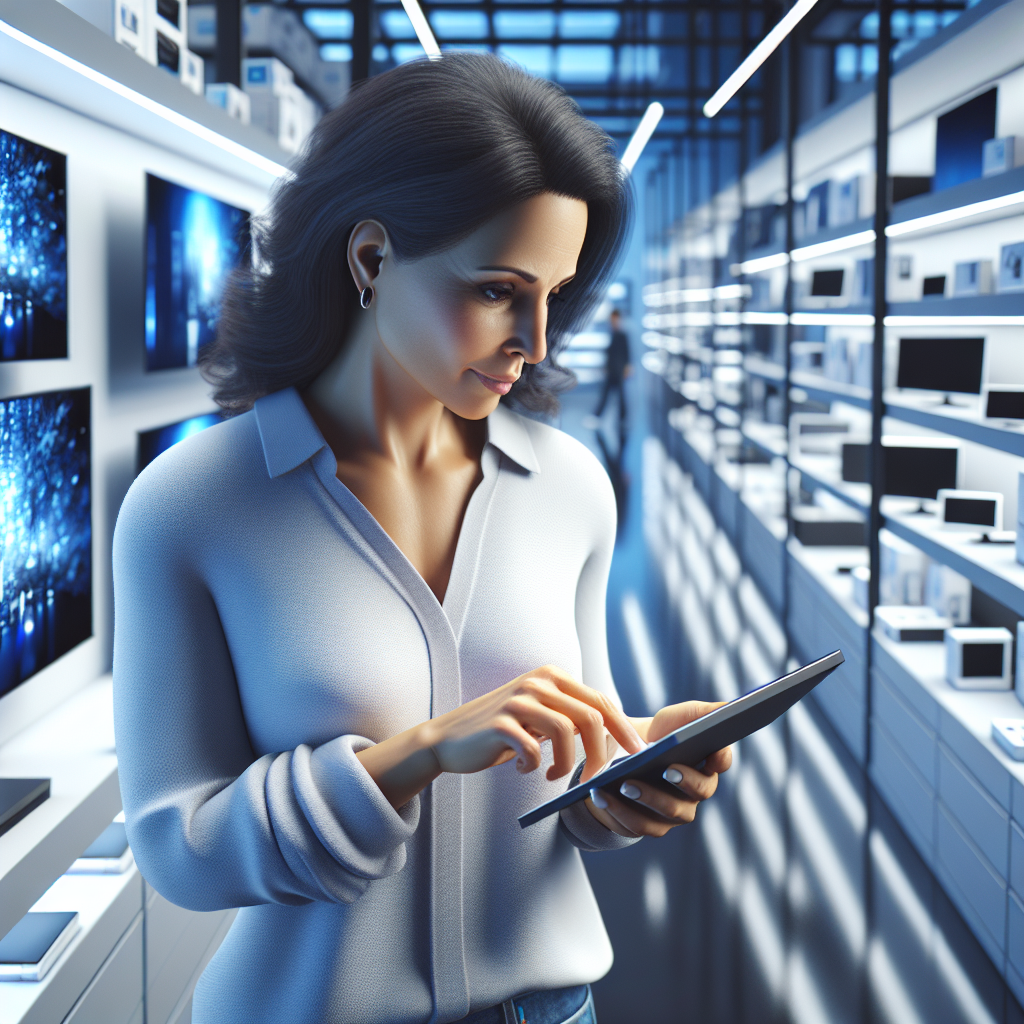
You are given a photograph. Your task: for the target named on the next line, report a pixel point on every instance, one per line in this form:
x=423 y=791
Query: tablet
x=693 y=742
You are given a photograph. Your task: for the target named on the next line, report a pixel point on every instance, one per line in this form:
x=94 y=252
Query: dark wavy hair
x=432 y=150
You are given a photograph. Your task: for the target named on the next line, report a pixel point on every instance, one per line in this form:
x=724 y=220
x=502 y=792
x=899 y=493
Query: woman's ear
x=368 y=245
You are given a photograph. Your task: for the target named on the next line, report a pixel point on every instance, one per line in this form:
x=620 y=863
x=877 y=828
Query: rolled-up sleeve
x=213 y=825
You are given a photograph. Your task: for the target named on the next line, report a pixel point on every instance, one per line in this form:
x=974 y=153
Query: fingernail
x=629 y=791
x=598 y=799
x=672 y=775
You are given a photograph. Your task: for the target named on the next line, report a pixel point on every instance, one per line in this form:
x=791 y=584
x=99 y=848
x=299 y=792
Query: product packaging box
x=191 y=72
x=1011 y=268
x=902 y=571
x=948 y=593
x=908 y=624
x=998 y=155
x=973 y=278
x=231 y=99
x=820 y=527
x=1009 y=734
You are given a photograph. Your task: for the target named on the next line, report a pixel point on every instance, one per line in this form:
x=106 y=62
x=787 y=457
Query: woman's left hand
x=645 y=810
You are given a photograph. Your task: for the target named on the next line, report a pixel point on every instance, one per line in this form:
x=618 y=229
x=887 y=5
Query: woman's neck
x=366 y=404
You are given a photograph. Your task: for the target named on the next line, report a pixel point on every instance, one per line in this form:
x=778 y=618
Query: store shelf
x=765 y=369
x=824 y=390
x=956 y=421
x=47 y=50
x=74 y=747
x=769 y=438
x=956 y=198
x=108 y=905
x=970 y=307
x=992 y=568
x=825 y=471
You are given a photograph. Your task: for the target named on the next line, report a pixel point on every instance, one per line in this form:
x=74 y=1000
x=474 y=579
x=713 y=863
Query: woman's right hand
x=511 y=721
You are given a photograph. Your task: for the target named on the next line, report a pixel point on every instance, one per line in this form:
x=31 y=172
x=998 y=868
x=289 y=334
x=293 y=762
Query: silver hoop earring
x=366 y=297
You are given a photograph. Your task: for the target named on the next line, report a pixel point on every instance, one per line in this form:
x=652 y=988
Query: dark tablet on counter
x=695 y=741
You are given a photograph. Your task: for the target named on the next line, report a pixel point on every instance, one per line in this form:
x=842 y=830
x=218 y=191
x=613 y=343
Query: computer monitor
x=913 y=467
x=193 y=243
x=46 y=570
x=33 y=251
x=973 y=511
x=155 y=442
x=918 y=467
x=827 y=283
x=1003 y=401
x=947 y=365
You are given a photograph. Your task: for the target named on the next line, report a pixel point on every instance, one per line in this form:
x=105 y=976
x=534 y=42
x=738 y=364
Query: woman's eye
x=496 y=292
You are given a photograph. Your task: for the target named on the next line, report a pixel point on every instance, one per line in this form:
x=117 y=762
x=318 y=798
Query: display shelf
x=958 y=198
x=956 y=421
x=992 y=568
x=47 y=50
x=825 y=471
x=74 y=747
x=970 y=308
x=822 y=389
x=757 y=366
x=107 y=906
x=769 y=438
x=830 y=566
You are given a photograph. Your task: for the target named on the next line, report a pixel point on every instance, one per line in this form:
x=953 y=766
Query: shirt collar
x=290 y=437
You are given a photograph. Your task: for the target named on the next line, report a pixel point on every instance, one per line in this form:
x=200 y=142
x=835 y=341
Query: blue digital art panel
x=193 y=242
x=46 y=564
x=155 y=442
x=33 y=251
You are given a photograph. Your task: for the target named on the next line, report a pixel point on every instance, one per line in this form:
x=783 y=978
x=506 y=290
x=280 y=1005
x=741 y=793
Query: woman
x=331 y=607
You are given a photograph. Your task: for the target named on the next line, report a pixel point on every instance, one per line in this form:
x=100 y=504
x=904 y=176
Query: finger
x=718 y=762
x=636 y=818
x=675 y=716
x=585 y=717
x=550 y=724
x=675 y=808
x=615 y=721
x=695 y=784
x=526 y=747
x=598 y=806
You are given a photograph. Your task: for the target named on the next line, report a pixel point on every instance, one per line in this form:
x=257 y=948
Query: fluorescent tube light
x=809 y=252
x=642 y=135
x=235 y=149
x=731 y=291
x=833 y=319
x=777 y=259
x=422 y=29
x=757 y=56
x=934 y=220
x=954 y=321
x=756 y=316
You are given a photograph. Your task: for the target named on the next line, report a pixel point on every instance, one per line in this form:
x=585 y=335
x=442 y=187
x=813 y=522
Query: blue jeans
x=559 y=1006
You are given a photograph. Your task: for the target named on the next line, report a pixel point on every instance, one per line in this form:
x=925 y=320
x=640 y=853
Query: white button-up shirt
x=267 y=628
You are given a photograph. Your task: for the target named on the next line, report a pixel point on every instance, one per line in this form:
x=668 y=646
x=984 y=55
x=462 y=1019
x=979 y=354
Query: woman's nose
x=531 y=340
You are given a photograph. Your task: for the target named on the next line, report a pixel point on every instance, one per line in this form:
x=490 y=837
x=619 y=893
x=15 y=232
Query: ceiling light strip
x=235 y=149
x=833 y=319
x=422 y=29
x=954 y=321
x=777 y=259
x=644 y=130
x=757 y=57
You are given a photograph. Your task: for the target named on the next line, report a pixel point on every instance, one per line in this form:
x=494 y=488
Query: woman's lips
x=499 y=387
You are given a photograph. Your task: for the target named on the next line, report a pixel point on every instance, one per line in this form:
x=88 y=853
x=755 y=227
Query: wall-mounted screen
x=154 y=442
x=33 y=251
x=193 y=242
x=827 y=282
x=941 y=364
x=46 y=570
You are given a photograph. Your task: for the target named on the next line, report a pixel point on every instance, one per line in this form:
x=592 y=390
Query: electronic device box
x=979 y=657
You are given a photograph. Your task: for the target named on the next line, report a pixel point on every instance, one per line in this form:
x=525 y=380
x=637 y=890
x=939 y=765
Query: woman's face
x=464 y=322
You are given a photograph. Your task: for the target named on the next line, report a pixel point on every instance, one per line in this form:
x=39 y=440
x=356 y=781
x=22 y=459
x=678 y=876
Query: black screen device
x=827 y=282
x=1005 y=404
x=913 y=471
x=19 y=797
x=697 y=740
x=941 y=364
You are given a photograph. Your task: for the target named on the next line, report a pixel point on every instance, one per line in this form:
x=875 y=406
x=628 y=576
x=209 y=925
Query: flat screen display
x=155 y=442
x=913 y=472
x=960 y=136
x=33 y=251
x=193 y=243
x=1005 y=405
x=941 y=364
x=971 y=511
x=983 y=660
x=46 y=574
x=827 y=282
